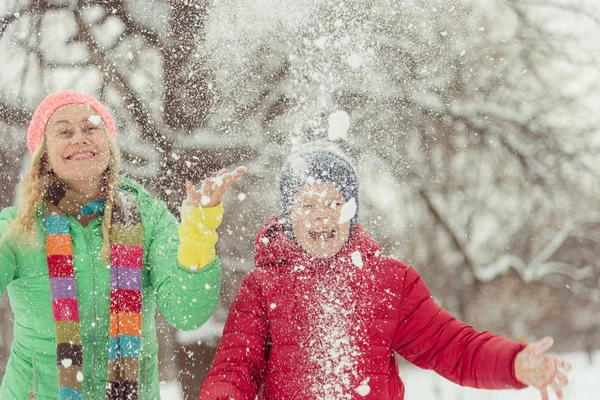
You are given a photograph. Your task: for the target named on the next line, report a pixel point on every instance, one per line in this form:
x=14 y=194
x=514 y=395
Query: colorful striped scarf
x=126 y=241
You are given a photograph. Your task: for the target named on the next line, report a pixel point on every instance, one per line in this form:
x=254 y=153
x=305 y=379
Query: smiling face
x=315 y=220
x=77 y=146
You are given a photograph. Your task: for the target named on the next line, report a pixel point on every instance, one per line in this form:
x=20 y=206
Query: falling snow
x=473 y=128
x=357 y=259
x=94 y=119
x=348 y=211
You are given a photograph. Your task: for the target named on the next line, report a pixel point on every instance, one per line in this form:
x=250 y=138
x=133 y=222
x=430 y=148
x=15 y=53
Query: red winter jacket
x=303 y=328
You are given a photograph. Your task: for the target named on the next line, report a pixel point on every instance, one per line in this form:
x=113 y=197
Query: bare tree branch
x=35 y=7
x=132 y=27
x=559 y=239
x=530 y=164
x=572 y=8
x=8 y=19
x=187 y=97
x=14 y=116
x=148 y=128
x=452 y=232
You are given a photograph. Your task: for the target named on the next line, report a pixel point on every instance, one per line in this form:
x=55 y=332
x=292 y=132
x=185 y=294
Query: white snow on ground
x=427 y=385
x=170 y=391
x=210 y=332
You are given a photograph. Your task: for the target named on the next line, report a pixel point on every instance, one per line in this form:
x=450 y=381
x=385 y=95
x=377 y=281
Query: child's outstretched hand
x=534 y=368
x=212 y=190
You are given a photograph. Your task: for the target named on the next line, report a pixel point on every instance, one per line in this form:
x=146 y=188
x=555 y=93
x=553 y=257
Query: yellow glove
x=197 y=234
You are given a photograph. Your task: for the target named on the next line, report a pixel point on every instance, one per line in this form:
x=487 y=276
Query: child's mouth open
x=323 y=235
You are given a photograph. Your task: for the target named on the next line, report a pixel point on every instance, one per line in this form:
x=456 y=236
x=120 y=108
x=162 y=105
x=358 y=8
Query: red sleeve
x=238 y=368
x=432 y=338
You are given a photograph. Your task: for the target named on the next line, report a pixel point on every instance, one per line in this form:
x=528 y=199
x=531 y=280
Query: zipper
x=144 y=385
x=94 y=313
x=35 y=378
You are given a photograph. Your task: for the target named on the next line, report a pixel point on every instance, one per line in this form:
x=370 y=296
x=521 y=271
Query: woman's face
x=316 y=220
x=77 y=145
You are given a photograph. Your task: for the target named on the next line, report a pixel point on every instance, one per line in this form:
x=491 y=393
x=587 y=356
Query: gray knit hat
x=312 y=166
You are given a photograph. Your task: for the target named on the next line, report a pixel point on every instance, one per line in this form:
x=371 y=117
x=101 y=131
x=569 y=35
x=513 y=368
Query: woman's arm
x=186 y=297
x=8 y=261
x=198 y=235
x=188 y=293
x=238 y=369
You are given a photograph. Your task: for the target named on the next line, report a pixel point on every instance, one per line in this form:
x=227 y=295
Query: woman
x=88 y=255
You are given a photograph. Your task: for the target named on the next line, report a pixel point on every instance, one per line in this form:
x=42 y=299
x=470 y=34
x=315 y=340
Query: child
x=89 y=255
x=323 y=312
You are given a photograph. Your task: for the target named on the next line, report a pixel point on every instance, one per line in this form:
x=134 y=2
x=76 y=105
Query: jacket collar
x=274 y=247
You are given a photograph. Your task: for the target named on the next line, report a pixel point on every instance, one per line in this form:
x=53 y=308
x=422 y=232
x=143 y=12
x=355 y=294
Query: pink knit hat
x=42 y=114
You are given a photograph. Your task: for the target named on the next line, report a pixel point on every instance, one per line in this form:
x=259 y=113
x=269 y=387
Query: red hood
x=274 y=247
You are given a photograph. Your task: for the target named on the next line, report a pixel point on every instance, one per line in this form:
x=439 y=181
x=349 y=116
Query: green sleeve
x=8 y=262
x=185 y=298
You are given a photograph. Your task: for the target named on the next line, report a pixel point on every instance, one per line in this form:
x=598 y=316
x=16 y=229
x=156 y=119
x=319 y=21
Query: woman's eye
x=65 y=132
x=307 y=206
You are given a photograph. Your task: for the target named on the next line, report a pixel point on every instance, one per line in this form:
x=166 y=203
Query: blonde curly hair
x=33 y=189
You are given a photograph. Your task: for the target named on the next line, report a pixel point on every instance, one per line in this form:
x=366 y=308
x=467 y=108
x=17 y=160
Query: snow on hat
x=53 y=102
x=313 y=165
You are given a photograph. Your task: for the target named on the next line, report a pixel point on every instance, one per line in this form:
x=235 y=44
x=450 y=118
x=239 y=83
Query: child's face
x=315 y=220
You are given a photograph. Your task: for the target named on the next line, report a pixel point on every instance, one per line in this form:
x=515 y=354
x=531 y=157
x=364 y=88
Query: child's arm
x=239 y=365
x=432 y=338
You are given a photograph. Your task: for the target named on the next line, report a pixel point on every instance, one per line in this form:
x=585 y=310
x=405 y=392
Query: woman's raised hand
x=212 y=190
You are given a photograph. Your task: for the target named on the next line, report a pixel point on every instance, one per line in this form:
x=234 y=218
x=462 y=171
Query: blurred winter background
x=474 y=124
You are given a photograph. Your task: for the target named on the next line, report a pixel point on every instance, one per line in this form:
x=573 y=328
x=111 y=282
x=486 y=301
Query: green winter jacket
x=185 y=299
